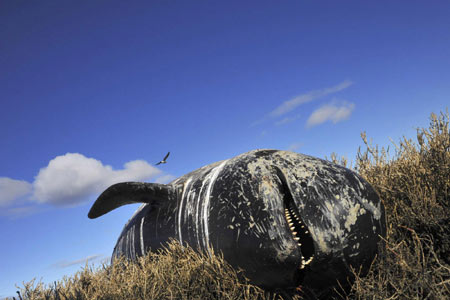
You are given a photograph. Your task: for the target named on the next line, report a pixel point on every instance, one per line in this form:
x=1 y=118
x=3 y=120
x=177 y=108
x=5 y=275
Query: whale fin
x=128 y=193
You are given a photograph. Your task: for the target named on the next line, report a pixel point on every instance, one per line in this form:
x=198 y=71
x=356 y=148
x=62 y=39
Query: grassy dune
x=415 y=188
x=414 y=260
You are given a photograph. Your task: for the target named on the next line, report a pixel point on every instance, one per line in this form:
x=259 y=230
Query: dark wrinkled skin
x=237 y=207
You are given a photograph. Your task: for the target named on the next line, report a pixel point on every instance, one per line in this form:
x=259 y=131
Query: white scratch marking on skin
x=119 y=247
x=127 y=242
x=352 y=216
x=329 y=206
x=180 y=209
x=215 y=173
x=130 y=241
x=133 y=236
x=142 y=235
x=319 y=237
x=135 y=213
x=197 y=215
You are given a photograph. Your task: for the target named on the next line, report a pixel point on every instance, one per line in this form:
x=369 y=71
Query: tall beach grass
x=413 y=262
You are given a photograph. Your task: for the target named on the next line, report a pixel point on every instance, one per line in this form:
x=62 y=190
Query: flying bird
x=164 y=159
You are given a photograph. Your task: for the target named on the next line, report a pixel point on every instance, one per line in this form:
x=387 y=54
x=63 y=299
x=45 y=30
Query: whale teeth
x=305 y=263
x=291 y=216
x=299 y=232
x=309 y=260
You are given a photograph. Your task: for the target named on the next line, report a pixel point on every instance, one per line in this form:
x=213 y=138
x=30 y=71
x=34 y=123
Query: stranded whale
x=286 y=219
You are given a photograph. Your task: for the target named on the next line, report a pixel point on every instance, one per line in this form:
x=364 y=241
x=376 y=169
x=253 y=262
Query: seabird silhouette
x=164 y=159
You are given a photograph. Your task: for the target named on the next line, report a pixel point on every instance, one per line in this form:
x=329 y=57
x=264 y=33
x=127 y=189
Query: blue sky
x=96 y=92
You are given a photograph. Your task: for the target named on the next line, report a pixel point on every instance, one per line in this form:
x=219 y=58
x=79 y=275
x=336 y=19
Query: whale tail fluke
x=128 y=193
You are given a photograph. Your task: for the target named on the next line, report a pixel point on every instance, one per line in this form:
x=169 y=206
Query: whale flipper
x=128 y=193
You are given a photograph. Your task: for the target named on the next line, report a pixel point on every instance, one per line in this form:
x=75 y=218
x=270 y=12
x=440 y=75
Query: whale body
x=286 y=219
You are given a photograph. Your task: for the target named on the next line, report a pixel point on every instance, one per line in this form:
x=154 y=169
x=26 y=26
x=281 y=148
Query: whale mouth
x=297 y=227
x=300 y=234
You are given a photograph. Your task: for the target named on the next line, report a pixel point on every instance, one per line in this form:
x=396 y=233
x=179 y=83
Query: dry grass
x=174 y=272
x=414 y=260
x=414 y=185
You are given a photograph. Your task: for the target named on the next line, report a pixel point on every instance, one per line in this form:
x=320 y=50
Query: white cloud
x=294 y=146
x=11 y=189
x=20 y=212
x=330 y=112
x=65 y=264
x=287 y=120
x=69 y=179
x=165 y=179
x=290 y=105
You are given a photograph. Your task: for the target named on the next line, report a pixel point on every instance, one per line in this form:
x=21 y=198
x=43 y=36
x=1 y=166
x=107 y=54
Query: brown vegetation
x=174 y=272
x=414 y=259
